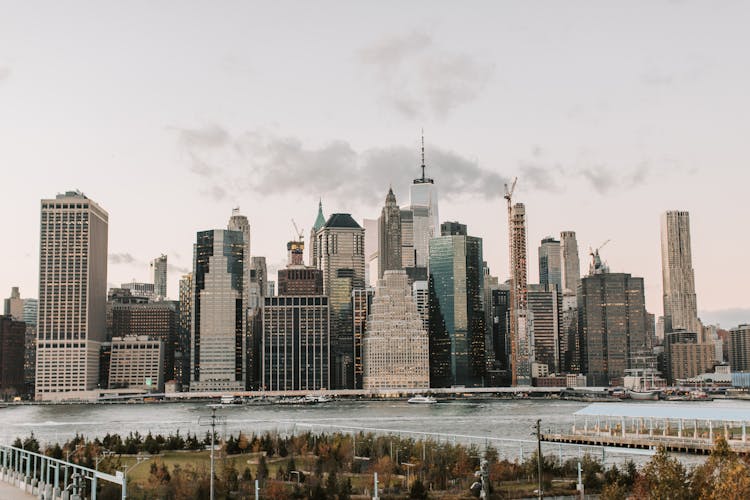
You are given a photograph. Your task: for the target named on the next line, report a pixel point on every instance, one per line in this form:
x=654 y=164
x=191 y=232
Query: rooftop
x=342 y=220
x=679 y=410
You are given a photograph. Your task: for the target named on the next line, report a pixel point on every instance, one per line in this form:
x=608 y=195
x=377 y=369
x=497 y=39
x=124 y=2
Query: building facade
x=361 y=303
x=545 y=323
x=456 y=317
x=12 y=342
x=550 y=263
x=680 y=307
x=137 y=362
x=396 y=345
x=389 y=236
x=521 y=347
x=182 y=356
x=72 y=295
x=739 y=348
x=570 y=264
x=159 y=276
x=218 y=340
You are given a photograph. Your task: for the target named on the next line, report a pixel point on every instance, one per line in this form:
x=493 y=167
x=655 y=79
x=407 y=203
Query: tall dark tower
x=389 y=241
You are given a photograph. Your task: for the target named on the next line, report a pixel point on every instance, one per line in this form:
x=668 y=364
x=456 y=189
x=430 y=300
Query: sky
x=169 y=114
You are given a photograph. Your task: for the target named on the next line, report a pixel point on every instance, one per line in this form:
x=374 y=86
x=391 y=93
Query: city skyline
x=605 y=160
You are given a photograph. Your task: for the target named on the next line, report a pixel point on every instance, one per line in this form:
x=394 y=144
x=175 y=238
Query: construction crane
x=596 y=250
x=300 y=234
x=597 y=266
x=513 y=326
x=509 y=193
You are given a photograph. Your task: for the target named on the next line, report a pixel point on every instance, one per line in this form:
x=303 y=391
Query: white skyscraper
x=159 y=276
x=395 y=346
x=72 y=295
x=570 y=265
x=424 y=207
x=680 y=308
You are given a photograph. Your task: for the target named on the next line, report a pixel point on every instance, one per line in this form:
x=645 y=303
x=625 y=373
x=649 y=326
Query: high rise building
x=456 y=315
x=341 y=248
x=739 y=348
x=521 y=347
x=159 y=276
x=25 y=310
x=13 y=305
x=298 y=279
x=421 y=292
x=545 y=321
x=239 y=222
x=680 y=308
x=12 y=339
x=490 y=283
x=361 y=302
x=424 y=209
x=372 y=244
x=72 y=295
x=408 y=257
x=550 y=265
x=182 y=357
x=611 y=323
x=218 y=339
x=685 y=357
x=258 y=292
x=570 y=265
x=389 y=236
x=137 y=362
x=500 y=331
x=320 y=221
x=396 y=345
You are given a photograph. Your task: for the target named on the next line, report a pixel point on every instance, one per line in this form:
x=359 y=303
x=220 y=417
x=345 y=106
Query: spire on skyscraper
x=423 y=179
x=320 y=220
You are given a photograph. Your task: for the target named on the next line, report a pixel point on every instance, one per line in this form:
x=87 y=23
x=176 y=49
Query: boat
x=316 y=399
x=424 y=400
x=644 y=395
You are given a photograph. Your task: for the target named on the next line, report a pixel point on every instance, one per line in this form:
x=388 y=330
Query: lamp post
x=211 y=421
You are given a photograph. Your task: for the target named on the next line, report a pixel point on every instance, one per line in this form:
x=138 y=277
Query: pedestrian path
x=10 y=492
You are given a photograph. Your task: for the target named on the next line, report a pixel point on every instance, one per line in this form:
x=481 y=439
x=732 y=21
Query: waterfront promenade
x=10 y=492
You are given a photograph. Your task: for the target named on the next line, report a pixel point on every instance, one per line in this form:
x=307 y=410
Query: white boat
x=424 y=400
x=644 y=395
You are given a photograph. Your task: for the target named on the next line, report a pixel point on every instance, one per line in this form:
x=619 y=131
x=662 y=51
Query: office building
x=739 y=348
x=296 y=332
x=137 y=362
x=545 y=322
x=361 y=303
x=389 y=236
x=680 y=308
x=500 y=333
x=395 y=345
x=372 y=244
x=570 y=265
x=138 y=289
x=424 y=210
x=421 y=293
x=490 y=283
x=456 y=282
x=685 y=357
x=218 y=339
x=320 y=221
x=182 y=356
x=550 y=263
x=159 y=276
x=72 y=295
x=611 y=323
x=342 y=259
x=408 y=255
x=521 y=347
x=12 y=341
x=25 y=310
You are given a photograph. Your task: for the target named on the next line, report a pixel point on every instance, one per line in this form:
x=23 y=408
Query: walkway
x=8 y=492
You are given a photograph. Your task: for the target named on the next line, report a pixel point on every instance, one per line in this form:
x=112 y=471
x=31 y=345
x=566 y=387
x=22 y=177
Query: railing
x=52 y=478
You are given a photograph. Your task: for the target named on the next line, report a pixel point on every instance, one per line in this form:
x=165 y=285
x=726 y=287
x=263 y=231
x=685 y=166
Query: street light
x=211 y=421
x=138 y=460
x=295 y=472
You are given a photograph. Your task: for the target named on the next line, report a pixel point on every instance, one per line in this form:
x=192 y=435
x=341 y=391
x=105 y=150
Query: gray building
x=341 y=248
x=159 y=276
x=72 y=295
x=680 y=308
x=545 y=322
x=425 y=220
x=570 y=264
x=457 y=335
x=739 y=348
x=389 y=236
x=550 y=265
x=218 y=339
x=611 y=324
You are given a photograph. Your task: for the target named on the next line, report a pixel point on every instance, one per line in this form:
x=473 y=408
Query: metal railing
x=52 y=478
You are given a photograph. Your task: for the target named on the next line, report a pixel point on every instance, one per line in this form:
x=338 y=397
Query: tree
x=663 y=478
x=722 y=476
x=614 y=491
x=345 y=489
x=262 y=473
x=418 y=491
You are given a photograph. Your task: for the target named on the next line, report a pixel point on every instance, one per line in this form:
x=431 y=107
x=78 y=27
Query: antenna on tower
x=423 y=154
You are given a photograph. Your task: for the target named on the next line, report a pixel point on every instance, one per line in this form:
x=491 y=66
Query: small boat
x=424 y=400
x=644 y=395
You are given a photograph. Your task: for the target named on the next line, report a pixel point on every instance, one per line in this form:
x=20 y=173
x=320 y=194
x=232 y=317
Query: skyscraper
x=25 y=310
x=389 y=236
x=395 y=346
x=12 y=340
x=739 y=348
x=611 y=323
x=320 y=221
x=408 y=257
x=218 y=339
x=341 y=249
x=361 y=302
x=680 y=309
x=424 y=208
x=182 y=357
x=159 y=276
x=570 y=265
x=456 y=286
x=545 y=319
x=550 y=272
x=72 y=295
x=521 y=347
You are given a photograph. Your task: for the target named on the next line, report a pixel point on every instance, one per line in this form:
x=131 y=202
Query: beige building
x=72 y=295
x=688 y=360
x=396 y=345
x=137 y=362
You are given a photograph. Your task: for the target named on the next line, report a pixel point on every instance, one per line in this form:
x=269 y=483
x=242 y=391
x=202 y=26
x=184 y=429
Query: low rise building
x=137 y=362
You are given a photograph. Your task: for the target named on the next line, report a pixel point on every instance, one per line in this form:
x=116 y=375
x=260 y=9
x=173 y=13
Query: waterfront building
x=218 y=340
x=550 y=263
x=25 y=310
x=395 y=345
x=12 y=342
x=72 y=295
x=389 y=236
x=545 y=321
x=739 y=348
x=361 y=303
x=182 y=356
x=159 y=276
x=611 y=323
x=342 y=259
x=151 y=320
x=137 y=361
x=457 y=333
x=521 y=346
x=680 y=308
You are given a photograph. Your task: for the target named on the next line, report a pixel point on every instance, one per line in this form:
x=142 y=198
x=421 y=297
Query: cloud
x=122 y=258
x=418 y=79
x=604 y=179
x=262 y=163
x=4 y=73
x=172 y=268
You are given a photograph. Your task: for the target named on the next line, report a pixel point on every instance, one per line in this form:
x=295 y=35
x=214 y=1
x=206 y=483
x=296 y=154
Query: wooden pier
x=676 y=445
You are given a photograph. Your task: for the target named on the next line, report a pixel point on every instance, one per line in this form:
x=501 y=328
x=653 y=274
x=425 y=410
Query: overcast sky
x=169 y=114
